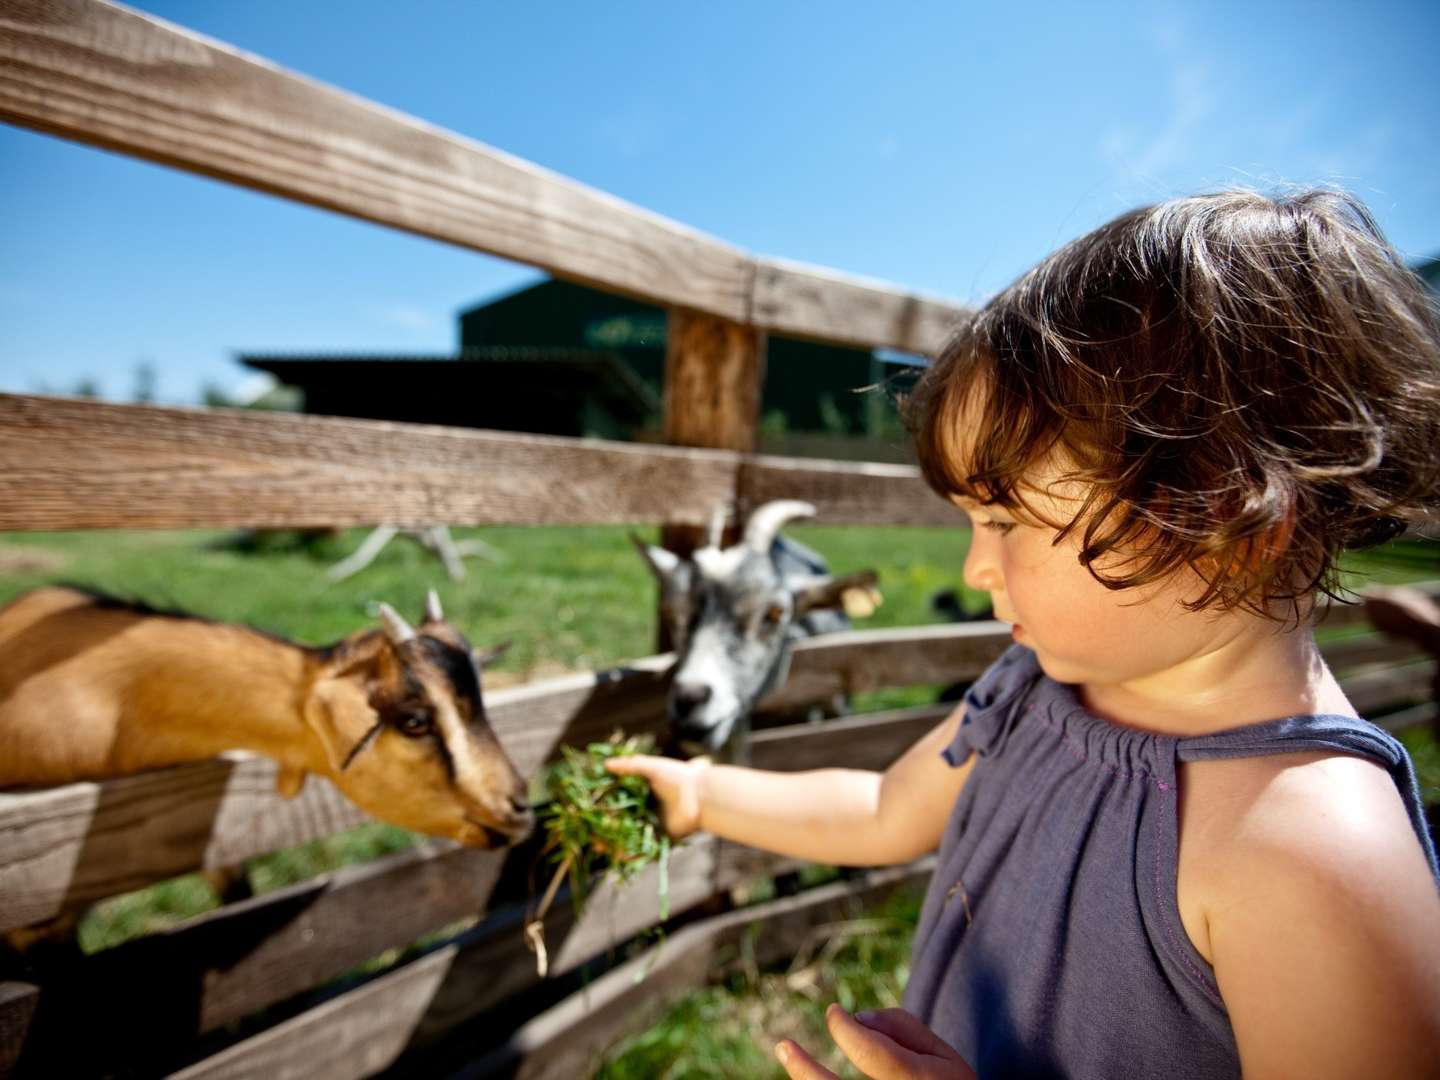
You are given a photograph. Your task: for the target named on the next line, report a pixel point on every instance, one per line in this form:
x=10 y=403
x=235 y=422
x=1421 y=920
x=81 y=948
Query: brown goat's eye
x=415 y=724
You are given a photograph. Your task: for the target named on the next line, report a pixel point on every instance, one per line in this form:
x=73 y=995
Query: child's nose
x=981 y=571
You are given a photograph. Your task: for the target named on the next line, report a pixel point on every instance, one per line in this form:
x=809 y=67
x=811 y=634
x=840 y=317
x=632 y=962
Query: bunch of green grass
x=598 y=825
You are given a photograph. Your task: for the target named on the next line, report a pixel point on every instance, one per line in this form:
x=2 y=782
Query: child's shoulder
x=1300 y=805
x=1310 y=896
x=1254 y=830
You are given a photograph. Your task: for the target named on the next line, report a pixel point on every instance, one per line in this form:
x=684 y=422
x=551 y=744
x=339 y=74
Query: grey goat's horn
x=717 y=526
x=432 y=607
x=767 y=521
x=396 y=628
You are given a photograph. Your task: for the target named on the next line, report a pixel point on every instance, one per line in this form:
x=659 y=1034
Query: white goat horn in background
x=717 y=526
x=396 y=628
x=767 y=521
x=432 y=607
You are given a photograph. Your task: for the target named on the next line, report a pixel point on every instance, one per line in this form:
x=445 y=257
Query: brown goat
x=91 y=687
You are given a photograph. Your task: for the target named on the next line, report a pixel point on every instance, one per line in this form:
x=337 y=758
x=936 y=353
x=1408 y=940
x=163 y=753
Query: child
x=1172 y=847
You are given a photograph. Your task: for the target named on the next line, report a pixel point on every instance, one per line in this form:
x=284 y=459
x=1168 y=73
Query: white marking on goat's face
x=427 y=758
x=740 y=620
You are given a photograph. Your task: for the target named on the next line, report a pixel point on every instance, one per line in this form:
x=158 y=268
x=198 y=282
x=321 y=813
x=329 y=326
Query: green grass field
x=568 y=598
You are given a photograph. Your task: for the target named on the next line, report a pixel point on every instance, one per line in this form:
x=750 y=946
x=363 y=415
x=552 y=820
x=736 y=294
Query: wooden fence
x=270 y=984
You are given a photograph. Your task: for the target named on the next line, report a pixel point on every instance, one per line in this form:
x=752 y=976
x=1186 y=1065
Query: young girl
x=1168 y=845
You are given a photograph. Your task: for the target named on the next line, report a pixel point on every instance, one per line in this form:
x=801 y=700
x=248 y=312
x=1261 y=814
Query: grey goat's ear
x=662 y=563
x=832 y=593
x=485 y=657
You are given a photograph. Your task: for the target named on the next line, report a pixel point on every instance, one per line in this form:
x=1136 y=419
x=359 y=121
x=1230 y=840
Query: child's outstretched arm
x=844 y=817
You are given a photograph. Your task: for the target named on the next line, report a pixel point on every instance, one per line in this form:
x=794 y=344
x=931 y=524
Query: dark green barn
x=564 y=359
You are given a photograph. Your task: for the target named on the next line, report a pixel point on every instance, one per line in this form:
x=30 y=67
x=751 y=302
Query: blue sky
x=942 y=146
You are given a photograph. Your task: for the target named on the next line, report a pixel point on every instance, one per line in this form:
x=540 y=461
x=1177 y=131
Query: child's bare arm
x=846 y=817
x=1325 y=931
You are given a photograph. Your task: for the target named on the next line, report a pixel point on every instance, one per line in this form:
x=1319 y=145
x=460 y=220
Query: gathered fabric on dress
x=1050 y=942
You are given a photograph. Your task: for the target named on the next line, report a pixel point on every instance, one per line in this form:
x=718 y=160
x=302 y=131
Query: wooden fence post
x=714 y=370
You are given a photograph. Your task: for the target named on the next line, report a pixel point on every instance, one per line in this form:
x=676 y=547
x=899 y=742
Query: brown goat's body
x=90 y=689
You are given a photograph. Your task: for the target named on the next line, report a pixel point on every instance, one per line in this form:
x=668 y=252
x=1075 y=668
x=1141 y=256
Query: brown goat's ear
x=855 y=592
x=485 y=657
x=289 y=779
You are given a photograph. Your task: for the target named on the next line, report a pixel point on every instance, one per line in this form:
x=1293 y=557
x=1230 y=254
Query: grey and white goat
x=733 y=613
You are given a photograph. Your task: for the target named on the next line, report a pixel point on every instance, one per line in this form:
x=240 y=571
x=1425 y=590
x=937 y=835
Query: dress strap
x=1325 y=732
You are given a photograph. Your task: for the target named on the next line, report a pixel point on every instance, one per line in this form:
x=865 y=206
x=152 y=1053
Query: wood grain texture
x=115 y=78
x=850 y=493
x=72 y=464
x=814 y=302
x=713 y=372
x=564 y=1041
x=856 y=660
x=64 y=846
x=18 y=1002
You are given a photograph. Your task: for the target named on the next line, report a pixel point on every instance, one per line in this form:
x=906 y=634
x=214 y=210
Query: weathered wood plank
x=564 y=1040
x=1374 y=690
x=858 y=660
x=18 y=1002
x=867 y=741
x=713 y=372
x=116 y=78
x=416 y=1003
x=146 y=998
x=847 y=492
x=1405 y=719
x=79 y=464
x=356 y=1034
x=64 y=846
x=71 y=464
x=1353 y=652
x=815 y=302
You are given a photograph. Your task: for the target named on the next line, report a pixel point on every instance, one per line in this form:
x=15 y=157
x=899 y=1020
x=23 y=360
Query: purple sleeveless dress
x=1050 y=944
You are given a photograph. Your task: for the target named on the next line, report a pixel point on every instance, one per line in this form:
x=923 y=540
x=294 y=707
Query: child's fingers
x=907 y=1030
x=799 y=1065
x=634 y=764
x=874 y=1053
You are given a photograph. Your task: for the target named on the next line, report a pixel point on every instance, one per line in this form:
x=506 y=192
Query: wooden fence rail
x=103 y=74
x=75 y=464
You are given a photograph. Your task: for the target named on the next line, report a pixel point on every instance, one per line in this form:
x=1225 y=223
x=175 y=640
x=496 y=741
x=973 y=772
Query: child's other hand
x=890 y=1044
x=677 y=785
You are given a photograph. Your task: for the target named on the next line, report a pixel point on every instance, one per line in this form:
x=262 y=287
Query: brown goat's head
x=398 y=711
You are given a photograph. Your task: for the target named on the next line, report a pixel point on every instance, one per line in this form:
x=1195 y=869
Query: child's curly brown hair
x=1246 y=385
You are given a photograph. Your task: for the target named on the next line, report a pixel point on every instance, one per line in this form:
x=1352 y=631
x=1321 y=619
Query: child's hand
x=677 y=785
x=890 y=1045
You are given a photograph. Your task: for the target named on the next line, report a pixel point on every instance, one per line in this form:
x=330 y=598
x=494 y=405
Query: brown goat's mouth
x=496 y=837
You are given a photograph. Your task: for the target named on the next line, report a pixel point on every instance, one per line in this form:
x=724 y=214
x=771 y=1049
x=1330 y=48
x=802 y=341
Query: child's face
x=1081 y=631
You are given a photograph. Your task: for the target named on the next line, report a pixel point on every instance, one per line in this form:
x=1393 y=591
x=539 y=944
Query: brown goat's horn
x=767 y=521
x=396 y=628
x=432 y=607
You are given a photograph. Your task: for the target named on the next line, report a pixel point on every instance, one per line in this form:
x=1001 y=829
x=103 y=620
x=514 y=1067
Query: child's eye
x=1001 y=527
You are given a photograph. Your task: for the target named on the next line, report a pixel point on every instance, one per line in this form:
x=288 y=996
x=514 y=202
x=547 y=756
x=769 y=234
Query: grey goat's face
x=732 y=615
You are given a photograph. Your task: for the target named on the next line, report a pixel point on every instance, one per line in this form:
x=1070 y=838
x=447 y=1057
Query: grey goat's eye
x=774 y=613
x=415 y=724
